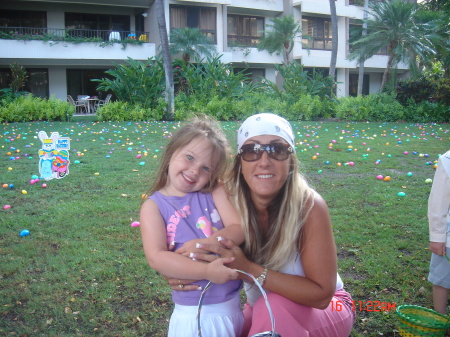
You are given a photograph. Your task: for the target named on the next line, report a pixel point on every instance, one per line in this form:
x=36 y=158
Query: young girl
x=186 y=202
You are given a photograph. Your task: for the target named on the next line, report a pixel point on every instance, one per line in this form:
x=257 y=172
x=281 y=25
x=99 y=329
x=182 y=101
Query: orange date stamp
x=367 y=306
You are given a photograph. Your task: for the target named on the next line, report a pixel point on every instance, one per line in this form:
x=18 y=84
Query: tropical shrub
x=124 y=111
x=30 y=108
x=426 y=112
x=136 y=82
x=374 y=107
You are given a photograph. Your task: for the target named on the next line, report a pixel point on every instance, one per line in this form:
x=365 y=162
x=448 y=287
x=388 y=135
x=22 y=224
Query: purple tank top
x=194 y=216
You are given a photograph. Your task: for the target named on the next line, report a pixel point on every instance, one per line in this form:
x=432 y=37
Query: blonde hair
x=203 y=127
x=287 y=214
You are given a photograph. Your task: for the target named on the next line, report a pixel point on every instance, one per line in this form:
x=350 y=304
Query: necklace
x=182 y=212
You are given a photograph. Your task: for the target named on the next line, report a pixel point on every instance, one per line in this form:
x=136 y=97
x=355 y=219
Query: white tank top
x=293 y=267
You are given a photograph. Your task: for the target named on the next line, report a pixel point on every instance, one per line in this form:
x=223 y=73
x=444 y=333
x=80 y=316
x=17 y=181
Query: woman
x=289 y=245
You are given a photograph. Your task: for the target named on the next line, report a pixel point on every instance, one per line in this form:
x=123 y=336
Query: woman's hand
x=224 y=248
x=182 y=285
x=190 y=247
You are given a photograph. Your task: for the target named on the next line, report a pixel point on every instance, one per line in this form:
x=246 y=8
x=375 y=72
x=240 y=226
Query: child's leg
x=440 y=299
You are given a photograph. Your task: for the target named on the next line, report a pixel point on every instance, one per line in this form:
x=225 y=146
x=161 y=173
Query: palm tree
x=361 y=62
x=334 y=34
x=170 y=91
x=280 y=39
x=191 y=43
x=393 y=25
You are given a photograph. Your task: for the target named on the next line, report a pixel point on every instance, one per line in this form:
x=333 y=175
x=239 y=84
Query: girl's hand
x=218 y=273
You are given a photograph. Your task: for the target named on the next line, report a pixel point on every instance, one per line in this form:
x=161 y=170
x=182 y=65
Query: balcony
x=72 y=35
x=73 y=46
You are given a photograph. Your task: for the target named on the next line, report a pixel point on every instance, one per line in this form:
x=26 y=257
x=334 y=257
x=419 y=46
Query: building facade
x=122 y=29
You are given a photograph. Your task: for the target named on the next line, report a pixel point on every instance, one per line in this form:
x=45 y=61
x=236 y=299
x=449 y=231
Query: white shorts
x=217 y=320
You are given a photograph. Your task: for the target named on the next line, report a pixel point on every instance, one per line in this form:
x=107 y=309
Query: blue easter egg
x=401 y=194
x=24 y=232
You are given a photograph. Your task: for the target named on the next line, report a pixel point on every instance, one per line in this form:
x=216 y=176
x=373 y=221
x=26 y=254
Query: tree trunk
x=361 y=62
x=386 y=72
x=170 y=95
x=334 y=43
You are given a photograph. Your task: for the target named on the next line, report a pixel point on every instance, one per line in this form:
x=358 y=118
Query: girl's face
x=190 y=168
x=265 y=176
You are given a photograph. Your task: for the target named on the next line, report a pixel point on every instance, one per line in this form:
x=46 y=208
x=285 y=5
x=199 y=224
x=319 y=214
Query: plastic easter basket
x=261 y=334
x=415 y=321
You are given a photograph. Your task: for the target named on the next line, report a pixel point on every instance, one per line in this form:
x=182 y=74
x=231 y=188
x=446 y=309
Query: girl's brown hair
x=198 y=127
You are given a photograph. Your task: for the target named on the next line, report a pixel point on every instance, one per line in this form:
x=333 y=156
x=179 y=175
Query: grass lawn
x=82 y=270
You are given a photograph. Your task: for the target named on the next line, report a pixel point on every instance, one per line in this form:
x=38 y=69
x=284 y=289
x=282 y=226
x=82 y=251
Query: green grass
x=82 y=270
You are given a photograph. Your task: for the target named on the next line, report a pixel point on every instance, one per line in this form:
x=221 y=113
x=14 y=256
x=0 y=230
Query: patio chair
x=80 y=105
x=103 y=102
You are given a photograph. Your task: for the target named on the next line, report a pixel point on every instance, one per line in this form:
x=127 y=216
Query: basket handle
x=272 y=319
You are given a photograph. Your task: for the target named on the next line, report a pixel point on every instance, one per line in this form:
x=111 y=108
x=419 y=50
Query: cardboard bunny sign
x=53 y=156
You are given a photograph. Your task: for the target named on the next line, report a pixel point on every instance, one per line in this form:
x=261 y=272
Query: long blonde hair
x=198 y=127
x=287 y=214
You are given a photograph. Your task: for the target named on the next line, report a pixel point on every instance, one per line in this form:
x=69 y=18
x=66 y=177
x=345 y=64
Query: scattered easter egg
x=9 y=168
x=135 y=224
x=24 y=192
x=387 y=178
x=319 y=171
x=401 y=194
x=96 y=173
x=406 y=152
x=380 y=177
x=5 y=185
x=34 y=177
x=409 y=174
x=11 y=186
x=7 y=207
x=24 y=232
x=76 y=162
x=138 y=156
x=428 y=181
x=44 y=185
x=142 y=163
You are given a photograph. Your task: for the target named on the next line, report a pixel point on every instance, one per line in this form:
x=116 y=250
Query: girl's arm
x=231 y=221
x=170 y=264
x=318 y=255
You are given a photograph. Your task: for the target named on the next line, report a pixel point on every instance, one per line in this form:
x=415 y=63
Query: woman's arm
x=170 y=264
x=318 y=254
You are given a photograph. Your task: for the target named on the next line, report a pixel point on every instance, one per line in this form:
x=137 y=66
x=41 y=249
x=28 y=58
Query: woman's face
x=265 y=176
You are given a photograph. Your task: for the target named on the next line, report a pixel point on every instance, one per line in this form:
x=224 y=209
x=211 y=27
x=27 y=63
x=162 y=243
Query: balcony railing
x=73 y=35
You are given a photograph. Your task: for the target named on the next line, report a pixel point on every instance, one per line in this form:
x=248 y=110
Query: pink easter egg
x=135 y=224
x=6 y=207
x=138 y=156
x=380 y=177
x=44 y=185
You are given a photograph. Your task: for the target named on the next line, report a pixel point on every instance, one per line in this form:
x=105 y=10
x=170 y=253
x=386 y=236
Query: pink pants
x=296 y=320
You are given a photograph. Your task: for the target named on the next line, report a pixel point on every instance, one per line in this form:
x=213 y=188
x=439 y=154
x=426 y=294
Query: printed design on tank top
x=206 y=226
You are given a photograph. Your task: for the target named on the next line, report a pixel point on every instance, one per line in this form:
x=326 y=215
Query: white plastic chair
x=102 y=102
x=80 y=105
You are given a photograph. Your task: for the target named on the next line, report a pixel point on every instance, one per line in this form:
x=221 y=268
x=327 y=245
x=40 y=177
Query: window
x=244 y=30
x=254 y=75
x=30 y=19
x=203 y=18
x=36 y=82
x=79 y=82
x=319 y=30
x=353 y=85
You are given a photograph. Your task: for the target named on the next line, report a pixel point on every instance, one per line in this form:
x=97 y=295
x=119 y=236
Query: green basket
x=416 y=321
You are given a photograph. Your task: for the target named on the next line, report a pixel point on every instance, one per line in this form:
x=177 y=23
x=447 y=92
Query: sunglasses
x=277 y=151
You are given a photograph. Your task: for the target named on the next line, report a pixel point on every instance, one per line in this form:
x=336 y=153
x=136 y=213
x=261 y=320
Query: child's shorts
x=217 y=320
x=440 y=270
